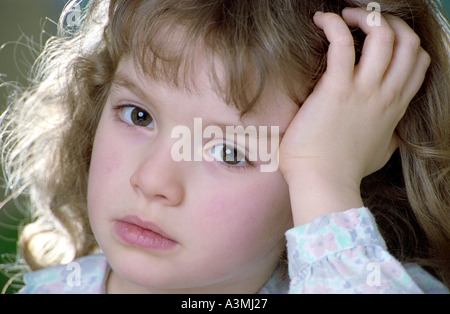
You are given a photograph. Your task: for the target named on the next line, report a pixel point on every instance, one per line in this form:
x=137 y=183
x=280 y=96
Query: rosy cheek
x=242 y=213
x=105 y=167
x=108 y=152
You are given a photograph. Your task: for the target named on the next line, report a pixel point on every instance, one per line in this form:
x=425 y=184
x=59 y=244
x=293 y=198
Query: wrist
x=316 y=192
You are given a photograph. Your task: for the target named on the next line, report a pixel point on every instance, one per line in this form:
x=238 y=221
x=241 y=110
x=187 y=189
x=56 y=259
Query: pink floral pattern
x=345 y=253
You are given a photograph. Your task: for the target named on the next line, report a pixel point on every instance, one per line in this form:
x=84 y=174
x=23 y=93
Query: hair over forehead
x=256 y=42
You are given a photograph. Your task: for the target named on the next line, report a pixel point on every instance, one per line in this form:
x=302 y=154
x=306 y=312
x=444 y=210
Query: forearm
x=314 y=193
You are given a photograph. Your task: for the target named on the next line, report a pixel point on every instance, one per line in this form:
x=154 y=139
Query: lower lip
x=141 y=237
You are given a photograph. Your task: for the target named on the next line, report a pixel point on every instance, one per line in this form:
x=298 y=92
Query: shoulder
x=84 y=275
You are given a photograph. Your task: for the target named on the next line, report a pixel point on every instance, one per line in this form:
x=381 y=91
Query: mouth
x=134 y=231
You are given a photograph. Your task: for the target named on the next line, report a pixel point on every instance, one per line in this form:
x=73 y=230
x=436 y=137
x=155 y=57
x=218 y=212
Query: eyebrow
x=122 y=80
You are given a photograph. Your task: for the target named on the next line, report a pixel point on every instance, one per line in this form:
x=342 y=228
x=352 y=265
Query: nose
x=158 y=177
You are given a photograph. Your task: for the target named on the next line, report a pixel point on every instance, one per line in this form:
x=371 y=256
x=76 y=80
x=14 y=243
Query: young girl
x=361 y=191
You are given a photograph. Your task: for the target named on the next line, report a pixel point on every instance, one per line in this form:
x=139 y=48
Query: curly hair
x=48 y=129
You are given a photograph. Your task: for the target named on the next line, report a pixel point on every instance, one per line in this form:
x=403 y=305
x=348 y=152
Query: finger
x=409 y=61
x=415 y=79
x=378 y=45
x=341 y=52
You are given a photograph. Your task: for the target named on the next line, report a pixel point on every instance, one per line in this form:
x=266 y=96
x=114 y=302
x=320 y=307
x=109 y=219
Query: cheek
x=98 y=178
x=248 y=218
x=105 y=173
x=105 y=165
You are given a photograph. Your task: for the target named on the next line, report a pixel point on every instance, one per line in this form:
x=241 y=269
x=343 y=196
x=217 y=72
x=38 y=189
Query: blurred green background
x=20 y=22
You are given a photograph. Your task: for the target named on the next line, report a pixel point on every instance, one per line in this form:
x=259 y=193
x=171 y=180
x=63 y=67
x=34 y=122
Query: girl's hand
x=345 y=129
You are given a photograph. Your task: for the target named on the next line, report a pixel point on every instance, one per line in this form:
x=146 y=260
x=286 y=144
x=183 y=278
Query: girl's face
x=183 y=226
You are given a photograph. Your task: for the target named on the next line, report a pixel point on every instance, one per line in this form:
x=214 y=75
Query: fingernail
x=318 y=13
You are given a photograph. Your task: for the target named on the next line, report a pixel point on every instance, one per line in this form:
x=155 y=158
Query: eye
x=228 y=154
x=137 y=116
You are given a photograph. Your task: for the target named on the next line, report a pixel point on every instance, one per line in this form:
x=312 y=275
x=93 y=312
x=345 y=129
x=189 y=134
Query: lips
x=132 y=230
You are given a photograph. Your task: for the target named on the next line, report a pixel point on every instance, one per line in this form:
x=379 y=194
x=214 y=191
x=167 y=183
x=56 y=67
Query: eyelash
x=247 y=165
x=117 y=113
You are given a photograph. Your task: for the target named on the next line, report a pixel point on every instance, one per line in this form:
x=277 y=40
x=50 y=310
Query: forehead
x=170 y=39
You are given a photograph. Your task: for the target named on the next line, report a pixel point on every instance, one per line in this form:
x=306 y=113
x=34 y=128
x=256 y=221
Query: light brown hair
x=48 y=131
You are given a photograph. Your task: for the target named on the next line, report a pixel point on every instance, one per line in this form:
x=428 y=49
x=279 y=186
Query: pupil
x=226 y=152
x=141 y=118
